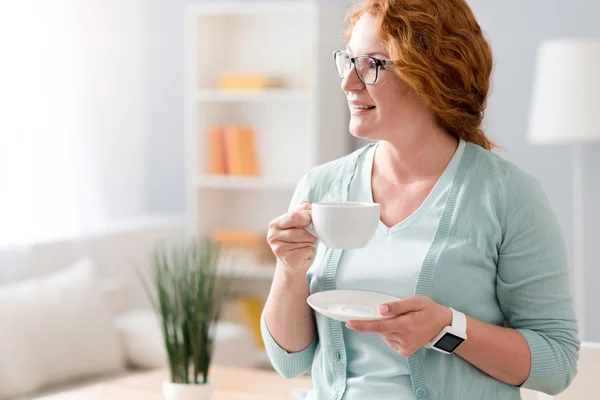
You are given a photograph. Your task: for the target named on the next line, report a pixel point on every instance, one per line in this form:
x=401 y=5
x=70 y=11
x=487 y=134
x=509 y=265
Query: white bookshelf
x=296 y=127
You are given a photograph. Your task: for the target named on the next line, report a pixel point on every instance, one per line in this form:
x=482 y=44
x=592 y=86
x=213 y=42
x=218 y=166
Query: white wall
x=164 y=190
x=73 y=131
x=113 y=47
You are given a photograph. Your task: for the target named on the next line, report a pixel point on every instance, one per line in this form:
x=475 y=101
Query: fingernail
x=349 y=325
x=383 y=309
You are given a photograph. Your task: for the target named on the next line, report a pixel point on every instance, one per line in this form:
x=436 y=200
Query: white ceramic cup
x=344 y=224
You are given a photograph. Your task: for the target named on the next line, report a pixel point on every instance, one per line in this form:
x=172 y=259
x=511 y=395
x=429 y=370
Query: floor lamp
x=565 y=109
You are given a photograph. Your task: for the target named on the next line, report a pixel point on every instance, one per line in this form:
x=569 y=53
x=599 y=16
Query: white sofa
x=74 y=313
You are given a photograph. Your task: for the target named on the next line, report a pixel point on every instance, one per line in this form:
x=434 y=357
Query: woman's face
x=384 y=110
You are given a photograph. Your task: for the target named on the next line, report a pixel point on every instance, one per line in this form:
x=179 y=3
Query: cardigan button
x=420 y=392
x=338 y=356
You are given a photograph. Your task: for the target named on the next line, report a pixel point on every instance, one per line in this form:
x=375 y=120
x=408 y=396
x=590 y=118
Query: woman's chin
x=360 y=130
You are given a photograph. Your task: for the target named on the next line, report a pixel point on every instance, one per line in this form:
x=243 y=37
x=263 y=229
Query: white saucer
x=347 y=305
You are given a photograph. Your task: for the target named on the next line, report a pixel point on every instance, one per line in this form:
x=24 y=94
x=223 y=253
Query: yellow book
x=252 y=309
x=249 y=81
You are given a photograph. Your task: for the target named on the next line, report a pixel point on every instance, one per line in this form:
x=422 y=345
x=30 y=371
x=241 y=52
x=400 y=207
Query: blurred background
x=123 y=123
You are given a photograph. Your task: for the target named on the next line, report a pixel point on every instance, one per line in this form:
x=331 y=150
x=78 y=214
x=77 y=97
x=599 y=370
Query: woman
x=465 y=237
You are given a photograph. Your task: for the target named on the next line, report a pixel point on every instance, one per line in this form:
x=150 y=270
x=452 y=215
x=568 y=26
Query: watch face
x=449 y=342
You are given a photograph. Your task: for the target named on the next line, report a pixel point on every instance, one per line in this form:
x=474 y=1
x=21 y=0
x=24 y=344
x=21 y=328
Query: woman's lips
x=358 y=108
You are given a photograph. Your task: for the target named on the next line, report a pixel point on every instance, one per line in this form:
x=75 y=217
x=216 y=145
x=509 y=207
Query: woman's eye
x=366 y=63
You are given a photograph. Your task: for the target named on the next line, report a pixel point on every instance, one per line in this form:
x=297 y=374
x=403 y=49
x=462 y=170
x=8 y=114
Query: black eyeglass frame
x=378 y=64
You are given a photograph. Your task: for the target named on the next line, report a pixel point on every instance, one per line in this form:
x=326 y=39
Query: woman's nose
x=351 y=82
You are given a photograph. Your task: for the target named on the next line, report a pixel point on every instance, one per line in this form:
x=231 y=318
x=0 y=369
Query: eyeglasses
x=366 y=67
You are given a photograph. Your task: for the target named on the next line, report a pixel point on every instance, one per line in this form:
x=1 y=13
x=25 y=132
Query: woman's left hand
x=415 y=321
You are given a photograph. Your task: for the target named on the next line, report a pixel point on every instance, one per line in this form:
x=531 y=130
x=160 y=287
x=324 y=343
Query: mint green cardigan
x=498 y=255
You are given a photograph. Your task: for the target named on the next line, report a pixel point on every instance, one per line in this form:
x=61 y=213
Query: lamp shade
x=565 y=104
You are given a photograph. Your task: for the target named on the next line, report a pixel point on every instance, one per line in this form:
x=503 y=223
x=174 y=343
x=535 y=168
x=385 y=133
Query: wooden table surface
x=229 y=384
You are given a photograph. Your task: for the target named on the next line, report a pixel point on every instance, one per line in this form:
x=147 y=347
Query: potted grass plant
x=188 y=294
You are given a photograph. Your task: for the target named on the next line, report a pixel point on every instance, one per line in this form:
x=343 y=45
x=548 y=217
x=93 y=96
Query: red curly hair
x=439 y=50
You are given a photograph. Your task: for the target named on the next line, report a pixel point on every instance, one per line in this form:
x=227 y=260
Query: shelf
x=243 y=182
x=261 y=272
x=252 y=95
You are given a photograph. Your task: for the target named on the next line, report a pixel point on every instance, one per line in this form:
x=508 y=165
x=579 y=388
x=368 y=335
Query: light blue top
x=497 y=255
x=389 y=264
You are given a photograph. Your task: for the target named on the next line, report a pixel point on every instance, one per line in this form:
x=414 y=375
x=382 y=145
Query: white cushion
x=55 y=329
x=141 y=336
x=116 y=293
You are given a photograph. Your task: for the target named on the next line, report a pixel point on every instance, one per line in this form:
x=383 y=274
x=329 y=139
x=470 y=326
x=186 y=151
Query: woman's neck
x=408 y=160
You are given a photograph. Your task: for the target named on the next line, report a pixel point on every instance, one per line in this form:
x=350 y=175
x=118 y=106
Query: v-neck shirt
x=390 y=264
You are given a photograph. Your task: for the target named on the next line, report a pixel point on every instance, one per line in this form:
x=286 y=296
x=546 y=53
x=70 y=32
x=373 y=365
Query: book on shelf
x=232 y=151
x=251 y=308
x=218 y=165
x=245 y=309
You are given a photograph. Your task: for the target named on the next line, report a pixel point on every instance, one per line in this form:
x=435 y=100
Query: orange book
x=240 y=151
x=217 y=156
x=249 y=161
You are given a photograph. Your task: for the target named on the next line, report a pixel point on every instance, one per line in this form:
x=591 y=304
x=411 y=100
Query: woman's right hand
x=293 y=246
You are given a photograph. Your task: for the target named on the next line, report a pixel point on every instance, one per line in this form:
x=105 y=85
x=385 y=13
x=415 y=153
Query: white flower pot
x=183 y=391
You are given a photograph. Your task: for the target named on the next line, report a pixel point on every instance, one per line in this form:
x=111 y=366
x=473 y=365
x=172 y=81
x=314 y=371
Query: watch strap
x=459 y=322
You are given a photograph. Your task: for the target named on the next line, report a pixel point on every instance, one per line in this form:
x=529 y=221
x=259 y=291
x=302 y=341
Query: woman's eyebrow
x=372 y=54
